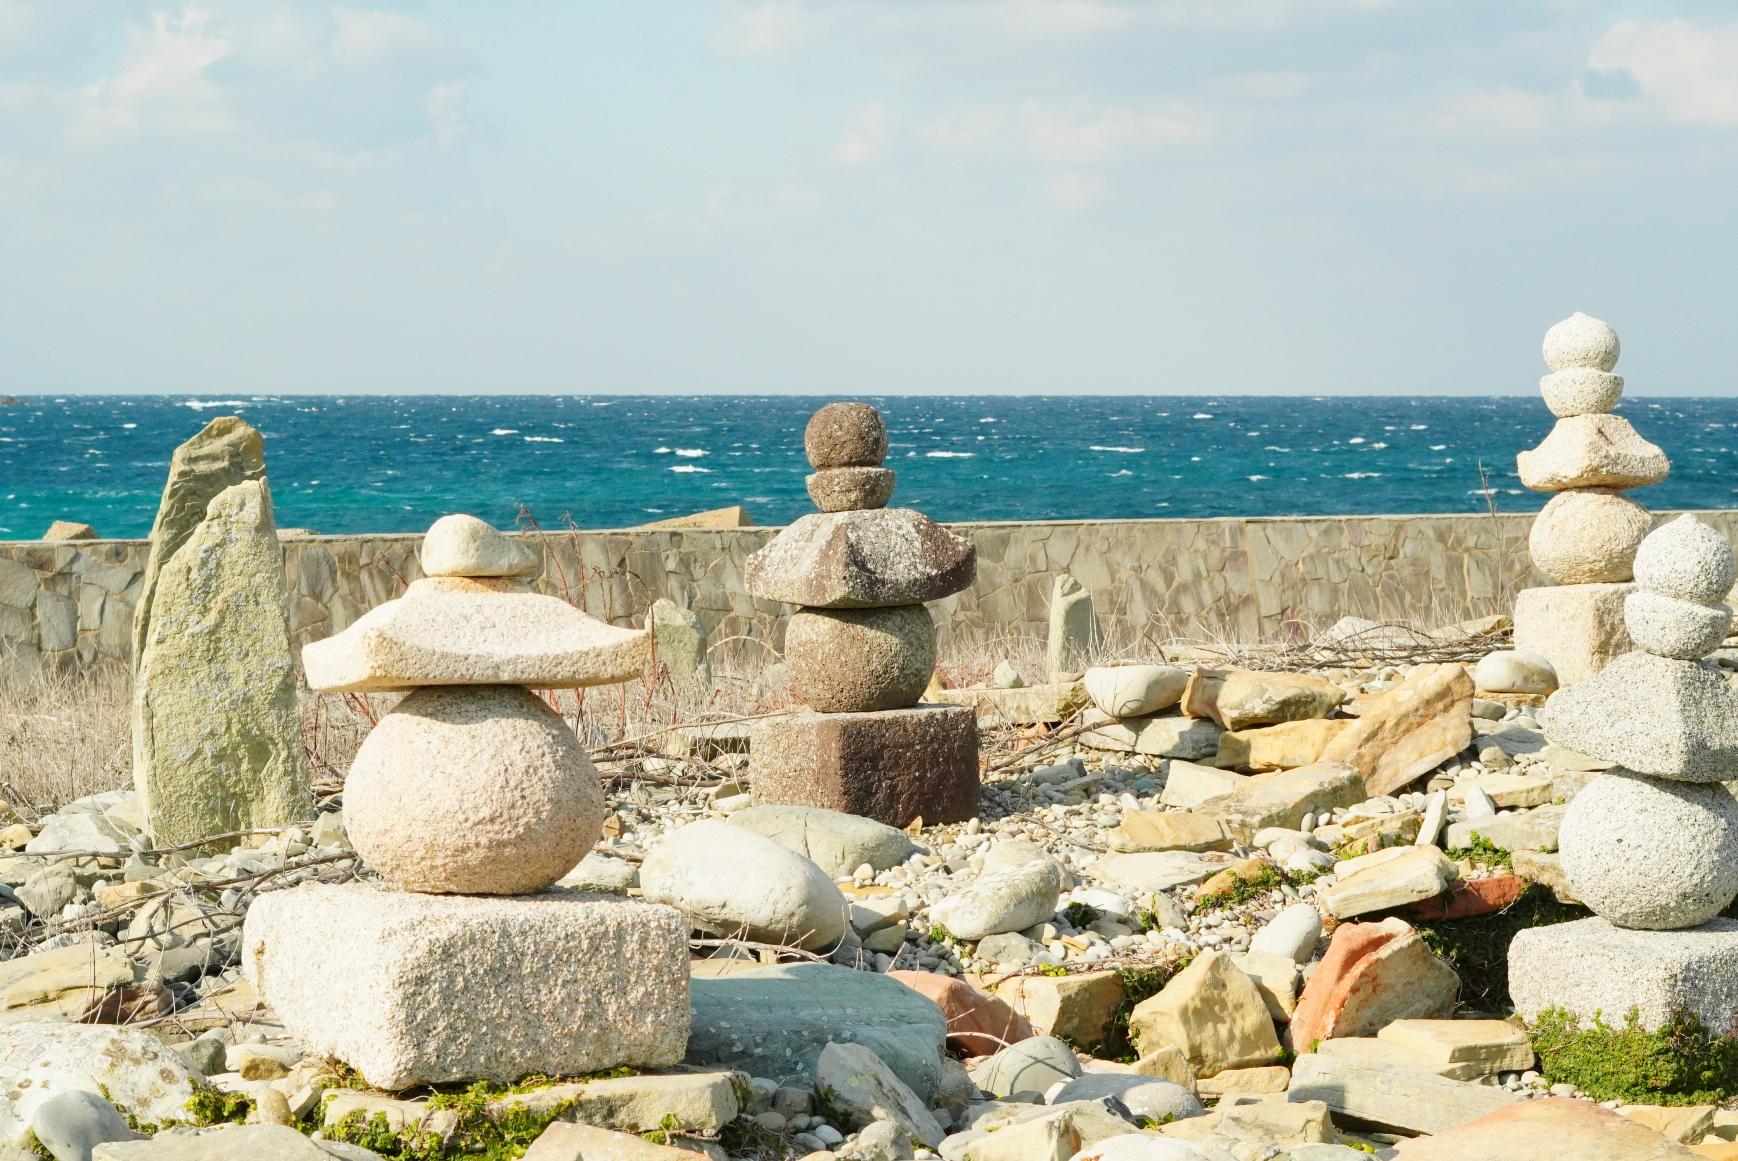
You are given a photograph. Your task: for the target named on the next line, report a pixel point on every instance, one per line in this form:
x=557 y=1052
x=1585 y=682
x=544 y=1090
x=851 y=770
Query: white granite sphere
x=1686 y=559
x=1651 y=853
x=1668 y=627
x=461 y=545
x=1581 y=391
x=1581 y=341
x=1588 y=536
x=478 y=789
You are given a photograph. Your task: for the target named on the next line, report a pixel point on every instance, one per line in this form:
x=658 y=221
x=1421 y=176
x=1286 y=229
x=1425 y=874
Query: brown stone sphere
x=846 y=435
x=857 y=660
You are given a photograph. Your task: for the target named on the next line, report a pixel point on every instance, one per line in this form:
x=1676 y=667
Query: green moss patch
x=1683 y=1063
x=1478 y=948
x=1484 y=853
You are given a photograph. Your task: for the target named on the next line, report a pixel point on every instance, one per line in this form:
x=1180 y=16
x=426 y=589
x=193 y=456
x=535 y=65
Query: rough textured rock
x=1080 y=1007
x=1404 y=732
x=1294 y=932
x=856 y=1089
x=1410 y=1100
x=1144 y=1096
x=838 y=843
x=1581 y=341
x=850 y=489
x=62 y=530
x=1570 y=966
x=1148 y=872
x=1074 y=633
x=453 y=778
x=456 y=631
x=1132 y=691
x=562 y=1141
x=40 y=1060
x=1006 y=900
x=461 y=545
x=1653 y=715
x=78 y=982
x=217 y=742
x=727 y=879
x=226 y=452
x=1237 y=699
x=845 y=435
x=1142 y=830
x=1285 y=746
x=1371 y=975
x=1577 y=628
x=1652 y=853
x=861 y=560
x=859 y=660
x=1688 y=560
x=1188 y=785
x=893 y=766
x=1592 y=451
x=1580 y=391
x=774 y=1021
x=1668 y=627
x=1159 y=736
x=1473 y=1047
x=679 y=643
x=1411 y=875
x=1031 y=1066
x=978 y=1024
x=1588 y=537
x=1514 y=671
x=1546 y=1130
x=1213 y=1012
x=417 y=989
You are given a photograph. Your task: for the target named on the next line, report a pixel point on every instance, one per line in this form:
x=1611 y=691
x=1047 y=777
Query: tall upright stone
x=226 y=452
x=1586 y=538
x=217 y=743
x=471 y=798
x=861 y=645
x=679 y=640
x=1073 y=627
x=1651 y=845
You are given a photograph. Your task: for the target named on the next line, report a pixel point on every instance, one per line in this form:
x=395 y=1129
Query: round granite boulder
x=1688 y=560
x=1581 y=391
x=1581 y=341
x=846 y=435
x=475 y=790
x=855 y=660
x=1588 y=537
x=1651 y=853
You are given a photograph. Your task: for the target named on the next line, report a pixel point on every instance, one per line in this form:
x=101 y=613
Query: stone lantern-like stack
x=860 y=648
x=1652 y=844
x=470 y=799
x=1585 y=539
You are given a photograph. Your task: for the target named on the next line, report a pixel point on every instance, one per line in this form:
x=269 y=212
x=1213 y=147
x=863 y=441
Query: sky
x=1031 y=196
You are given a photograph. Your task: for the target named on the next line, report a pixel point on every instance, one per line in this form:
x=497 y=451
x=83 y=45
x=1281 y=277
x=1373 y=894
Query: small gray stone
x=1652 y=853
x=1008 y=949
x=855 y=1088
x=837 y=842
x=1292 y=933
x=679 y=641
x=47 y=891
x=1031 y=1066
x=1144 y=1096
x=1073 y=626
x=1002 y=901
x=206 y=1054
x=71 y=1124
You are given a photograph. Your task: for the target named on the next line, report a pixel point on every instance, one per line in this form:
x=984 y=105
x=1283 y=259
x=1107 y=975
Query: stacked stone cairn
x=1585 y=539
x=861 y=647
x=470 y=799
x=1651 y=845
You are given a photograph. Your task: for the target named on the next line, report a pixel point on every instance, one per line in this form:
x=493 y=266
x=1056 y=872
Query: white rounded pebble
x=1651 y=853
x=1688 y=560
x=1292 y=933
x=1581 y=341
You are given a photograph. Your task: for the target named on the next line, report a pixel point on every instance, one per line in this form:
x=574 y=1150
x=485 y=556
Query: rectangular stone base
x=1577 y=628
x=889 y=765
x=417 y=989
x=1591 y=966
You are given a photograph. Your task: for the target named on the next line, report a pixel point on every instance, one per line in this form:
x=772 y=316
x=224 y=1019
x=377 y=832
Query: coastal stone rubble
x=861 y=646
x=1651 y=845
x=463 y=964
x=1586 y=537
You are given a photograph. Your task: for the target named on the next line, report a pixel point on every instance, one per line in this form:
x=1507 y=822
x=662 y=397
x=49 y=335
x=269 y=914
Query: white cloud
x=163 y=84
x=366 y=37
x=446 y=115
x=1072 y=133
x=1687 y=74
x=1074 y=190
x=1503 y=112
x=764 y=29
x=866 y=136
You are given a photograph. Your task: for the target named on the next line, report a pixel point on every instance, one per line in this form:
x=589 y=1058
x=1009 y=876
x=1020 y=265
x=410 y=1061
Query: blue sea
x=393 y=464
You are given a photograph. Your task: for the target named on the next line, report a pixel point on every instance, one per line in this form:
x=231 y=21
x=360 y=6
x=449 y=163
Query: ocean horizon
x=393 y=463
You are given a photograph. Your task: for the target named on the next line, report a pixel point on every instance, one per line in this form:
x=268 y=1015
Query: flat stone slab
x=1591 y=966
x=893 y=766
x=870 y=558
x=419 y=989
x=1410 y=1100
x=1027 y=705
x=456 y=631
x=1161 y=735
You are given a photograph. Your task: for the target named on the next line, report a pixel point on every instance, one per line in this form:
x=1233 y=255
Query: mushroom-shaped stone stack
x=470 y=798
x=1585 y=538
x=861 y=647
x=1651 y=845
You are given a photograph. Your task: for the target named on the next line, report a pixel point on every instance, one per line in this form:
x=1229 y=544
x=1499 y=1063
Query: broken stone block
x=1143 y=830
x=1408 y=730
x=1079 y=1008
x=1407 y=1100
x=1237 y=699
x=1213 y=1012
x=1371 y=975
x=1579 y=629
x=1414 y=873
x=1475 y=1047
x=1284 y=797
x=1570 y=966
x=1159 y=736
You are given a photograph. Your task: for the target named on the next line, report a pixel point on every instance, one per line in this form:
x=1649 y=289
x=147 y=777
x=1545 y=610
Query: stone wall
x=69 y=607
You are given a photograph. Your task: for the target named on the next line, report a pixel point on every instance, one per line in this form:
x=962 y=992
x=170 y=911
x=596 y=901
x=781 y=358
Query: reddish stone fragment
x=1468 y=899
x=1372 y=975
x=978 y=1023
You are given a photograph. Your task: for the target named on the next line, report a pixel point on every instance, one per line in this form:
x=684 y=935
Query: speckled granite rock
x=1592 y=451
x=1668 y=627
x=849 y=489
x=418 y=989
x=856 y=660
x=1579 y=629
x=1688 y=560
x=1654 y=715
x=1574 y=966
x=1588 y=537
x=845 y=435
x=1581 y=341
x=453 y=631
x=461 y=545
x=861 y=560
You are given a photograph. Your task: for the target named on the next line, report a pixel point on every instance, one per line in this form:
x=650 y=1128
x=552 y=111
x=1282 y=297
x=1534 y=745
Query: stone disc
x=1651 y=853
x=472 y=790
